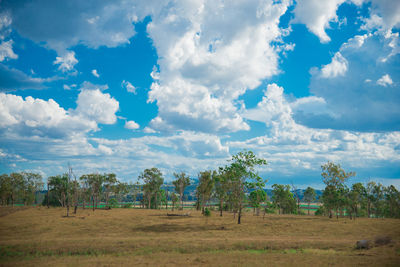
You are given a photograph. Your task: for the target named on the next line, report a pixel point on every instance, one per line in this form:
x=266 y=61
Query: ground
x=41 y=236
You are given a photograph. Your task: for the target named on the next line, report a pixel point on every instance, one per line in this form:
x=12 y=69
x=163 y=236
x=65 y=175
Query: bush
x=127 y=206
x=321 y=211
x=207 y=212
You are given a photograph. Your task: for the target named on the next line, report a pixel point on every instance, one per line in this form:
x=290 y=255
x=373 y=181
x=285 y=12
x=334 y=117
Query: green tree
x=181 y=182
x=58 y=186
x=95 y=182
x=153 y=180
x=243 y=177
x=204 y=188
x=109 y=182
x=283 y=199
x=392 y=196
x=256 y=198
x=334 y=178
x=5 y=188
x=309 y=196
x=221 y=184
x=356 y=197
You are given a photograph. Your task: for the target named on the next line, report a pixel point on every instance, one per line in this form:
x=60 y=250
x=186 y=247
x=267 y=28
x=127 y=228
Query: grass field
x=41 y=236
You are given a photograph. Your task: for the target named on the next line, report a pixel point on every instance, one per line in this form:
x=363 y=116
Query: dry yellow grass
x=41 y=236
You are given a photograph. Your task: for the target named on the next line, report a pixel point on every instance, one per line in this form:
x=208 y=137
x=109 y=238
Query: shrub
x=321 y=211
x=207 y=212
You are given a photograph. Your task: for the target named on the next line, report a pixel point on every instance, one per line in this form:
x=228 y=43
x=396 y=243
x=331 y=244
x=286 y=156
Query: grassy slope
x=41 y=236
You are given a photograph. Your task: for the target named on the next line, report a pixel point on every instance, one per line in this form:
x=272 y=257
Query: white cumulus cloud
x=385 y=80
x=131 y=125
x=6 y=50
x=128 y=86
x=95 y=74
x=66 y=62
x=337 y=67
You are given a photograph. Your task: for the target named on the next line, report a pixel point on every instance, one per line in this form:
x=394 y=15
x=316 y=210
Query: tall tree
x=334 y=178
x=221 y=184
x=256 y=198
x=181 y=182
x=153 y=180
x=5 y=188
x=283 y=199
x=95 y=182
x=110 y=180
x=205 y=187
x=244 y=176
x=309 y=196
x=58 y=186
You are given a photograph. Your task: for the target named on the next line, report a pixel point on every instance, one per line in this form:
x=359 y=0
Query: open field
x=41 y=236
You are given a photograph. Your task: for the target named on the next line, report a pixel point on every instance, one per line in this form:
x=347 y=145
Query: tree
x=17 y=186
x=153 y=180
x=392 y=196
x=5 y=188
x=174 y=199
x=181 y=182
x=309 y=196
x=119 y=190
x=283 y=199
x=242 y=167
x=32 y=182
x=204 y=188
x=58 y=186
x=95 y=182
x=221 y=184
x=256 y=198
x=355 y=198
x=109 y=181
x=334 y=178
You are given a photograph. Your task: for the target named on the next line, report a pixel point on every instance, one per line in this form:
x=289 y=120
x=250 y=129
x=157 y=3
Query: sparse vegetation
x=49 y=238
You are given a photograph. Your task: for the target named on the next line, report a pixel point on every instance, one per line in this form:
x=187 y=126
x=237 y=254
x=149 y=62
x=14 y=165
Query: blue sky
x=120 y=86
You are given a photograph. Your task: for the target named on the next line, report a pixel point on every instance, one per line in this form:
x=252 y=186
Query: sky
x=124 y=85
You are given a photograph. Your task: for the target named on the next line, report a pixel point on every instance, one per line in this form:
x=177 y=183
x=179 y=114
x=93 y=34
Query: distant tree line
x=233 y=187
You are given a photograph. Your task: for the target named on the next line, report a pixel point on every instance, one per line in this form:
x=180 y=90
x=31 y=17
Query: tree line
x=233 y=187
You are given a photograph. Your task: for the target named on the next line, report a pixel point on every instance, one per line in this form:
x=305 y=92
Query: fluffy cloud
x=32 y=117
x=291 y=147
x=36 y=117
x=384 y=15
x=317 y=15
x=95 y=105
x=337 y=67
x=131 y=125
x=62 y=25
x=128 y=86
x=95 y=74
x=6 y=50
x=352 y=102
x=385 y=80
x=210 y=53
x=66 y=62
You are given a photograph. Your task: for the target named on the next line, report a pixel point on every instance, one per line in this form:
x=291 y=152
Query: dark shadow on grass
x=165 y=228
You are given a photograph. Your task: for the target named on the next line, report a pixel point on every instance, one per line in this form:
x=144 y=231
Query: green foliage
x=284 y=199
x=181 y=182
x=113 y=203
x=321 y=211
x=153 y=180
x=205 y=187
x=207 y=212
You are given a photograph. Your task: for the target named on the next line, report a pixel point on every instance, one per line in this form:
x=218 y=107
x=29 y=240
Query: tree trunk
x=221 y=202
x=239 y=214
x=93 y=202
x=308 y=209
